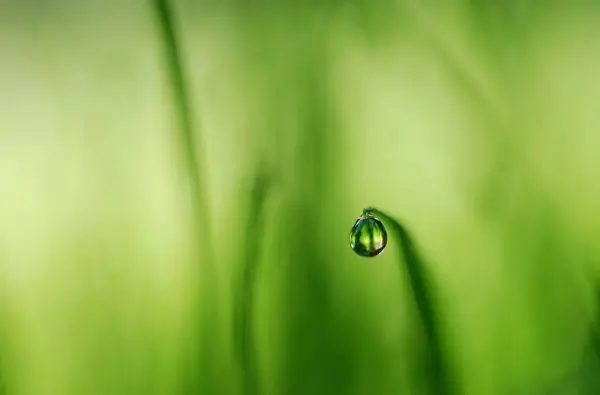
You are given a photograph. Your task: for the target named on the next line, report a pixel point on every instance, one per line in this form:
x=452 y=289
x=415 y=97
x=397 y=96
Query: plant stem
x=182 y=105
x=188 y=136
x=423 y=296
x=245 y=289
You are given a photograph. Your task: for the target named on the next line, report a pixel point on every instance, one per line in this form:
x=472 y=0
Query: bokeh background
x=474 y=122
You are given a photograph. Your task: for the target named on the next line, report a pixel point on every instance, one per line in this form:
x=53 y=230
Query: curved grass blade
x=181 y=97
x=188 y=136
x=422 y=291
x=245 y=288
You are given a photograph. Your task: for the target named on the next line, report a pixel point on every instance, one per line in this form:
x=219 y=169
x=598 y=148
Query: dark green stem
x=245 y=288
x=422 y=291
x=204 y=377
x=182 y=105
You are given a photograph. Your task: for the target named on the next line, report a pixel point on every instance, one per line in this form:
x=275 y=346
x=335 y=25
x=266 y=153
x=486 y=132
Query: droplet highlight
x=368 y=236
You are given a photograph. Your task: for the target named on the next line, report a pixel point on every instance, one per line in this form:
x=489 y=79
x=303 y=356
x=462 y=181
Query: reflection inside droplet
x=368 y=236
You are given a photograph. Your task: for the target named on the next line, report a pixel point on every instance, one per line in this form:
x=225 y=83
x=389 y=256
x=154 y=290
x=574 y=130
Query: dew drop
x=368 y=236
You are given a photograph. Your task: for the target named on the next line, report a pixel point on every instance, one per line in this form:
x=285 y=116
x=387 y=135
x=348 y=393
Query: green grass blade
x=245 y=290
x=181 y=96
x=203 y=374
x=410 y=259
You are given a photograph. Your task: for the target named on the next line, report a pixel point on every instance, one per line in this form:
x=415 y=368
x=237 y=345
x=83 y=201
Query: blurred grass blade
x=203 y=374
x=422 y=292
x=181 y=97
x=245 y=289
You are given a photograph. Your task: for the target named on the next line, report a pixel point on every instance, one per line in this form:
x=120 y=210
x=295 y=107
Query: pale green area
x=477 y=125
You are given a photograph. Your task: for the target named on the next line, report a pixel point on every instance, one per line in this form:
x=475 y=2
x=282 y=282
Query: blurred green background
x=474 y=122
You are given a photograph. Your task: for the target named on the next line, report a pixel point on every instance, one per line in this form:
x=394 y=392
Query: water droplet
x=368 y=236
